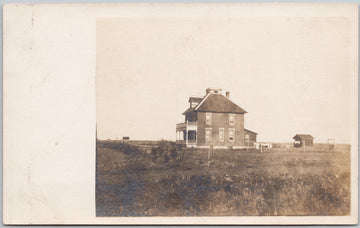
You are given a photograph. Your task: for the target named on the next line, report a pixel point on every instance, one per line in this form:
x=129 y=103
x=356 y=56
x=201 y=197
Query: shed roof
x=250 y=131
x=303 y=136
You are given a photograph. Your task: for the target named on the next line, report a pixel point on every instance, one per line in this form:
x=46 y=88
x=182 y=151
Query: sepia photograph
x=223 y=117
x=180 y=113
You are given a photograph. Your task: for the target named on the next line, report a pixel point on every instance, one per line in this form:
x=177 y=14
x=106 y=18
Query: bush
x=166 y=151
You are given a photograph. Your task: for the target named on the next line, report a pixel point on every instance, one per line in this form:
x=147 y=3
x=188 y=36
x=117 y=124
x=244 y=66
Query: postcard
x=198 y=113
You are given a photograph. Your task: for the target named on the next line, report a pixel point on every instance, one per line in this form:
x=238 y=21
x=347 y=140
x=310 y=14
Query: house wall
x=220 y=120
x=309 y=142
x=191 y=117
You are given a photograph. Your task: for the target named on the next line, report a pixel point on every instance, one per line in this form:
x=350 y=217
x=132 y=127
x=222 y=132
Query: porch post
x=196 y=135
x=186 y=133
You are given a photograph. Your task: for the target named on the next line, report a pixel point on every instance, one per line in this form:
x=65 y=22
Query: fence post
x=304 y=145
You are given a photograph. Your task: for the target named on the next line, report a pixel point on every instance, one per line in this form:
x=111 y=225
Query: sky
x=292 y=75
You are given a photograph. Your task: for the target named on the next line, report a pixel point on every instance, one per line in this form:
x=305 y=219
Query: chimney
x=213 y=90
x=227 y=94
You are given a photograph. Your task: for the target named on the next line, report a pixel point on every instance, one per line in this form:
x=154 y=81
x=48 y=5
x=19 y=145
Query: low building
x=301 y=140
x=250 y=138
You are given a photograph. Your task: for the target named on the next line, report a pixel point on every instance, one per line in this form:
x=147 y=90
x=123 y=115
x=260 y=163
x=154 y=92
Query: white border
x=15 y=102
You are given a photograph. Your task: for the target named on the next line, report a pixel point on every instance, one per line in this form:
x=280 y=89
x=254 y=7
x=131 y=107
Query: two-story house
x=214 y=121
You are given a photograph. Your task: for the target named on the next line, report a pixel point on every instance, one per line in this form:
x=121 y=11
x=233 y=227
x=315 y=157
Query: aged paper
x=93 y=124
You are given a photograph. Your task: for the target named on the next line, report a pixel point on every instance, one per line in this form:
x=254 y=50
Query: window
x=231 y=119
x=231 y=135
x=247 y=138
x=208 y=118
x=221 y=134
x=207 y=134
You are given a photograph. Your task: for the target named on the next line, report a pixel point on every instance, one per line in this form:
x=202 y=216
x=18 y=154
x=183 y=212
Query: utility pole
x=209 y=154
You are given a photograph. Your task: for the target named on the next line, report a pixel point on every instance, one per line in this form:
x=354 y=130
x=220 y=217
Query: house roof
x=303 y=136
x=250 y=131
x=215 y=102
x=189 y=110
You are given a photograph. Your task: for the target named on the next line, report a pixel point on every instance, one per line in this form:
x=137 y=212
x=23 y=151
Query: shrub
x=166 y=151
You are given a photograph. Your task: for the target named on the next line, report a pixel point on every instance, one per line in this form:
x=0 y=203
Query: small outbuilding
x=303 y=139
x=250 y=138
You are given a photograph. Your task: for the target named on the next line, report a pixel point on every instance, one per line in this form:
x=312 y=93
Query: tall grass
x=173 y=181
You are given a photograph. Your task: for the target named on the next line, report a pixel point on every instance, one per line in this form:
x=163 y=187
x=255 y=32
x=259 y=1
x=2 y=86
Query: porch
x=186 y=133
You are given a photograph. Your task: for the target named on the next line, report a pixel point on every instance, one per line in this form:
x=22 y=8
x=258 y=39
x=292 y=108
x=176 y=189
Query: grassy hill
x=171 y=181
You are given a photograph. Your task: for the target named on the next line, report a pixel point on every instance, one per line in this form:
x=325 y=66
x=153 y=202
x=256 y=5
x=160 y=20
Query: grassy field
x=170 y=181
